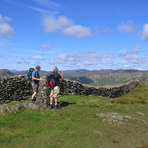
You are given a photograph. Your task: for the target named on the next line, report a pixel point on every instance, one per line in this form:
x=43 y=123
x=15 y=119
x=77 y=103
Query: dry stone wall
x=76 y=88
x=18 y=88
x=14 y=88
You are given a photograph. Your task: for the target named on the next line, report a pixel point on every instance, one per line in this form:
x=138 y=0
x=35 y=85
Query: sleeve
x=33 y=73
x=59 y=76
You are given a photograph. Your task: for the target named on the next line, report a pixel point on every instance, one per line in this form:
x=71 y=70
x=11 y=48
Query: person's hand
x=42 y=79
x=62 y=75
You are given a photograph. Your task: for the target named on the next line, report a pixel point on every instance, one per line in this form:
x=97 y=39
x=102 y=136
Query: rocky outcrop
x=5 y=108
x=117 y=119
x=18 y=88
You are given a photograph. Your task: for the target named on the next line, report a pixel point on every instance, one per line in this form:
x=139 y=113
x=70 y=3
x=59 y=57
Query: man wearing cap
x=35 y=81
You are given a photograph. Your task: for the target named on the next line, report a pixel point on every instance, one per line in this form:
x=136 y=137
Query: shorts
x=35 y=87
x=54 y=92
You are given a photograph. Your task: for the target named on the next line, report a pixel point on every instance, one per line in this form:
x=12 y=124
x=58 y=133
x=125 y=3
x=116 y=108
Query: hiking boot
x=32 y=101
x=56 y=107
x=51 y=106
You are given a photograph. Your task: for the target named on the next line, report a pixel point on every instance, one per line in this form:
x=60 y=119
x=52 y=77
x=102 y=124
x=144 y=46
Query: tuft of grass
x=124 y=100
x=115 y=141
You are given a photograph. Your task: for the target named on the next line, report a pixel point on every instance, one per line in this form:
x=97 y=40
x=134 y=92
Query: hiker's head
x=38 y=67
x=55 y=69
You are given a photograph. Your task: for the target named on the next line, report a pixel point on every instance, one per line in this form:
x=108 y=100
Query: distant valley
x=95 y=78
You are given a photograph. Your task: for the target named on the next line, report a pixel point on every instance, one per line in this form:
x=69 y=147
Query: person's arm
x=62 y=75
x=37 y=79
x=34 y=78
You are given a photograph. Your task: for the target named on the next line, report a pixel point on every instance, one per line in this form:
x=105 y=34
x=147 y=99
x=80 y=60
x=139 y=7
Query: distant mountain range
x=6 y=72
x=107 y=77
x=95 y=77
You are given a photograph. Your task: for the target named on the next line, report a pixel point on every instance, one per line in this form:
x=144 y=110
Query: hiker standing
x=56 y=89
x=35 y=82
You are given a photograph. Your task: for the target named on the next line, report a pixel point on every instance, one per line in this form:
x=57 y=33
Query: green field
x=82 y=122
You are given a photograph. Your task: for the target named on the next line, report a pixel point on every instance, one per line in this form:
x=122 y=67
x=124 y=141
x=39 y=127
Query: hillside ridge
x=94 y=78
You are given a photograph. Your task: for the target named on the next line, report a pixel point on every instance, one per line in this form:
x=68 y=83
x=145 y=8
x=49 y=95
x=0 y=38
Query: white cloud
x=127 y=27
x=37 y=58
x=45 y=52
x=29 y=6
x=86 y=58
x=65 y=25
x=5 y=29
x=48 y=3
x=127 y=59
x=46 y=46
x=18 y=62
x=107 y=30
x=77 y=31
x=129 y=54
x=52 y=24
x=37 y=9
x=145 y=32
x=133 y=56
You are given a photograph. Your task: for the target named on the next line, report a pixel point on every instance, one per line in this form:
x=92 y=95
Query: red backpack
x=51 y=80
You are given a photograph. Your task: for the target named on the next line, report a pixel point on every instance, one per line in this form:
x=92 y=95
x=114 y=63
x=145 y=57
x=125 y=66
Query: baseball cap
x=38 y=66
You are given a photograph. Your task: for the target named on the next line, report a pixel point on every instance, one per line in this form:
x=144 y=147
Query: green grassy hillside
x=90 y=122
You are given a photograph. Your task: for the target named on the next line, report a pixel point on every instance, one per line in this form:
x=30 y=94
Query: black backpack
x=29 y=75
x=51 y=80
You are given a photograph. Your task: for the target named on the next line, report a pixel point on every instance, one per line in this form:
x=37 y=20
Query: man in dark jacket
x=56 y=90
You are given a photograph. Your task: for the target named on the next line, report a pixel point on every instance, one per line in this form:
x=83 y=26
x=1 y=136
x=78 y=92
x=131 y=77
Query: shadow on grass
x=64 y=104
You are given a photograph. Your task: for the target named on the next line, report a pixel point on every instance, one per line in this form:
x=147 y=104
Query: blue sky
x=74 y=34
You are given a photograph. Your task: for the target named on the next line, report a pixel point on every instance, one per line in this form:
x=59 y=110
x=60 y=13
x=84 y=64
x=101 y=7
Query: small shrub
x=115 y=141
